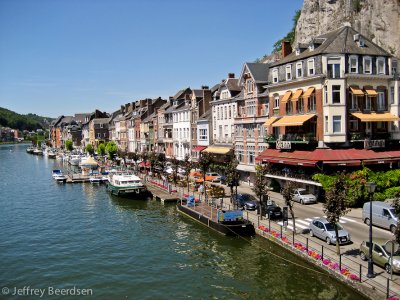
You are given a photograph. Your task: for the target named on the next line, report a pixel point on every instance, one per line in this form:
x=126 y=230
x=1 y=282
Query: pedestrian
x=248 y=179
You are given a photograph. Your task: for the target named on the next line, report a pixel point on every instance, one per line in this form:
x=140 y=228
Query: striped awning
x=356 y=91
x=308 y=93
x=371 y=92
x=374 y=117
x=286 y=97
x=297 y=95
x=293 y=120
x=270 y=121
x=217 y=150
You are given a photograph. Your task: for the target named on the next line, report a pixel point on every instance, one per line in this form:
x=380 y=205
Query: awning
x=270 y=121
x=308 y=93
x=217 y=150
x=286 y=97
x=374 y=117
x=297 y=94
x=343 y=162
x=294 y=162
x=292 y=120
x=142 y=164
x=199 y=148
x=246 y=168
x=371 y=92
x=356 y=91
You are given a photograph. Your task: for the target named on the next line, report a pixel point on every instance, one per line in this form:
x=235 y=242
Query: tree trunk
x=293 y=220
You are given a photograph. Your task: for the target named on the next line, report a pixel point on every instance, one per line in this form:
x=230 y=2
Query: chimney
x=286 y=48
x=204 y=87
x=231 y=75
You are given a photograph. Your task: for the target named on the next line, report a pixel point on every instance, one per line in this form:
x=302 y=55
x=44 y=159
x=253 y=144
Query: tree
x=69 y=145
x=204 y=162
x=144 y=155
x=152 y=159
x=396 y=205
x=111 y=149
x=336 y=204
x=232 y=176
x=101 y=150
x=122 y=154
x=187 y=167
x=175 y=165
x=287 y=193
x=260 y=187
x=135 y=157
x=89 y=149
x=290 y=36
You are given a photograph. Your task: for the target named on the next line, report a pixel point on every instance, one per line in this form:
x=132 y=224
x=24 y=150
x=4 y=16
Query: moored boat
x=74 y=159
x=126 y=185
x=227 y=222
x=38 y=151
x=30 y=150
x=59 y=176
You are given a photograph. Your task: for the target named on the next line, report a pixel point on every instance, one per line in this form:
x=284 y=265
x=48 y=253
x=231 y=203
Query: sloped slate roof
x=233 y=84
x=337 y=41
x=258 y=71
x=198 y=93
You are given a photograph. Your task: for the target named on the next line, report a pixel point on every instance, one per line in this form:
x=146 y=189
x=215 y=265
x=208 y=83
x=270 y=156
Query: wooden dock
x=162 y=195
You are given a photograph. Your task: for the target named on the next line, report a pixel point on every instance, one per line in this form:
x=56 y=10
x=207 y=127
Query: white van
x=383 y=215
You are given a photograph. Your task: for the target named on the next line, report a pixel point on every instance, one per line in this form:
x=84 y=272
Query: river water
x=76 y=238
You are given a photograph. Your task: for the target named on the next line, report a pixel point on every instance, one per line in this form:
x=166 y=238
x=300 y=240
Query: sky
x=61 y=57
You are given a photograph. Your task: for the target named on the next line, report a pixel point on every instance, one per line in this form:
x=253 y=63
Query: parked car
x=304 y=197
x=214 y=177
x=245 y=201
x=383 y=215
x=324 y=230
x=381 y=249
x=271 y=210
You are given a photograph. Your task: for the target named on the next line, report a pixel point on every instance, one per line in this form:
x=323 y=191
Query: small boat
x=30 y=150
x=126 y=185
x=51 y=154
x=95 y=177
x=59 y=176
x=74 y=159
x=38 y=151
x=227 y=222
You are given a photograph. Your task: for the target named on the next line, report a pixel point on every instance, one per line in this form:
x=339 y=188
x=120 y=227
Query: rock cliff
x=378 y=20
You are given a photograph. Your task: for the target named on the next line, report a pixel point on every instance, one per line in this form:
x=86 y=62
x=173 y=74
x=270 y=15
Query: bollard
x=281 y=232
x=322 y=253
x=360 y=272
x=258 y=221
x=293 y=238
x=340 y=262
x=269 y=224
x=387 y=288
x=307 y=244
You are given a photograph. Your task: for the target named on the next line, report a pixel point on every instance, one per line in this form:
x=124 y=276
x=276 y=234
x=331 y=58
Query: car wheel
x=393 y=229
x=366 y=221
x=301 y=202
x=388 y=268
x=311 y=233
x=328 y=241
x=363 y=256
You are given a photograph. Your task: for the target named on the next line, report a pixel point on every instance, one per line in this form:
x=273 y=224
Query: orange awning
x=297 y=95
x=308 y=93
x=270 y=121
x=374 y=117
x=371 y=92
x=286 y=97
x=356 y=91
x=293 y=120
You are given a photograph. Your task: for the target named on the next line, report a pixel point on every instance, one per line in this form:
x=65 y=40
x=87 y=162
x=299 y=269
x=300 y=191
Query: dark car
x=245 y=201
x=271 y=210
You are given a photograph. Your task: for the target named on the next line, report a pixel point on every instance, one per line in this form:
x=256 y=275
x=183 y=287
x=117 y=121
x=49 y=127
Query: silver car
x=324 y=230
x=304 y=197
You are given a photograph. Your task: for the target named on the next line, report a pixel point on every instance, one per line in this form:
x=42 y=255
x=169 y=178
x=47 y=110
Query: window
x=275 y=75
x=225 y=112
x=392 y=95
x=337 y=128
x=230 y=112
x=289 y=107
x=353 y=125
x=335 y=94
x=381 y=101
x=203 y=135
x=101 y=125
x=226 y=132
x=299 y=70
x=333 y=68
x=394 y=67
x=220 y=132
x=312 y=103
x=310 y=67
x=326 y=124
x=367 y=65
x=251 y=108
x=381 y=125
x=380 y=66
x=300 y=105
x=354 y=102
x=289 y=72
x=353 y=64
x=368 y=103
x=276 y=101
x=249 y=86
x=218 y=113
x=250 y=153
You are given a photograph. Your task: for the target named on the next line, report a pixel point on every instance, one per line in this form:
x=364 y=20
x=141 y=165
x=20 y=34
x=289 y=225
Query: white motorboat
x=75 y=159
x=59 y=176
x=126 y=185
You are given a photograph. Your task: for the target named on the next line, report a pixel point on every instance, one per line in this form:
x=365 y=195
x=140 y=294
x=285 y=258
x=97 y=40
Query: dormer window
x=394 y=67
x=275 y=75
x=299 y=69
x=289 y=72
x=311 y=47
x=380 y=66
x=311 y=67
x=298 y=51
x=367 y=61
x=353 y=64
x=249 y=86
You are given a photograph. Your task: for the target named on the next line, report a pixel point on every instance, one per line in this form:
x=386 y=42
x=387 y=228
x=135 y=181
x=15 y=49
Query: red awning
x=199 y=148
x=142 y=164
x=332 y=157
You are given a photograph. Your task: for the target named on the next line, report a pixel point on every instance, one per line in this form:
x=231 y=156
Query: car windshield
x=392 y=211
x=331 y=227
x=302 y=192
x=247 y=197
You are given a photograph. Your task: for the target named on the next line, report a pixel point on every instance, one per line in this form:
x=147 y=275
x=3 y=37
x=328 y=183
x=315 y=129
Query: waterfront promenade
x=347 y=267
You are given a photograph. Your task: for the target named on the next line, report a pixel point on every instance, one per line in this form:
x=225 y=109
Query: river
x=76 y=238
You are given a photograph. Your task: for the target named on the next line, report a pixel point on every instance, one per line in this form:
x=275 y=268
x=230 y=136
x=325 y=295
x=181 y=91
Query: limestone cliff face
x=378 y=20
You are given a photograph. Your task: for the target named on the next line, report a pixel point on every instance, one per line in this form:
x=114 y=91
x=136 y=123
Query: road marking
x=348 y=220
x=308 y=219
x=290 y=224
x=303 y=222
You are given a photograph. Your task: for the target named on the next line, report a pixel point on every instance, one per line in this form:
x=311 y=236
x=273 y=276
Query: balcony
x=296 y=138
x=362 y=136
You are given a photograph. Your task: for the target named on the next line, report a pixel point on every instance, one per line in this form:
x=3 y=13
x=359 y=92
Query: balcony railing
x=292 y=137
x=361 y=136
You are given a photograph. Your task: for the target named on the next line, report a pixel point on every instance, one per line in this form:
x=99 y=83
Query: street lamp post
x=371 y=189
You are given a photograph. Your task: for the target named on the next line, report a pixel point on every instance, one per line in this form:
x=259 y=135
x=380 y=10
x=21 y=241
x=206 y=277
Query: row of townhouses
x=327 y=105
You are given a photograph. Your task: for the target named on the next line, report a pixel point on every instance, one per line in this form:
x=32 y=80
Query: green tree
x=89 y=149
x=111 y=149
x=260 y=187
x=396 y=205
x=135 y=157
x=336 y=205
x=175 y=165
x=204 y=163
x=69 y=145
x=287 y=193
x=152 y=159
x=290 y=36
x=187 y=166
x=101 y=150
x=232 y=176
x=144 y=156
